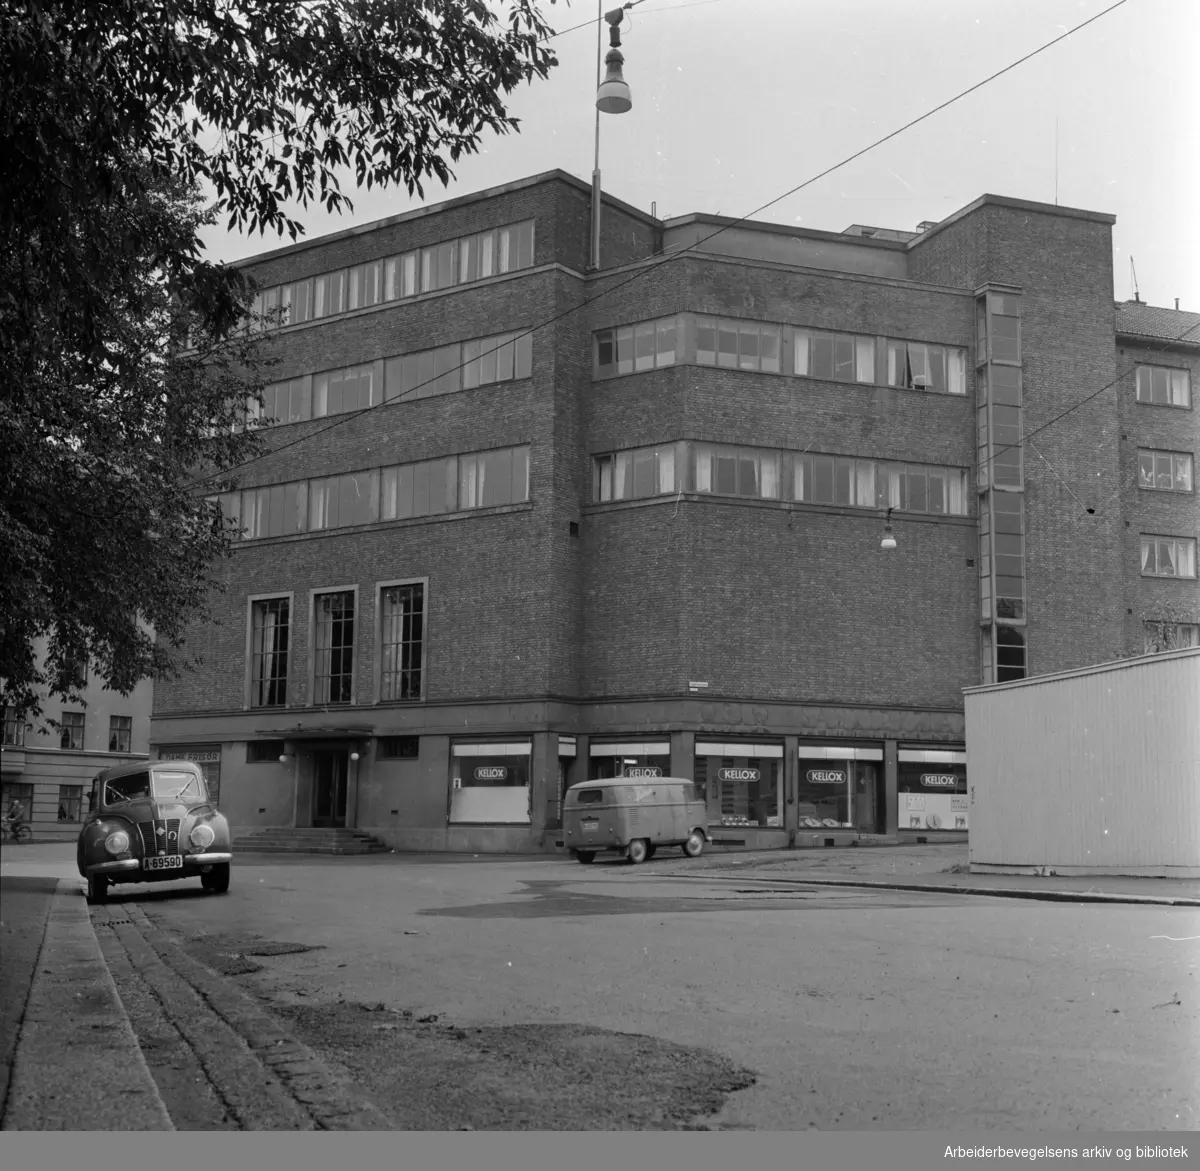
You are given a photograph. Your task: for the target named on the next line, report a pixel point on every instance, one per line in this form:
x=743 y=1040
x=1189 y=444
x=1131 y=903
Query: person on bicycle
x=16 y=814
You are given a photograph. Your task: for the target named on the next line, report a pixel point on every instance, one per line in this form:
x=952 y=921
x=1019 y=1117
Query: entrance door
x=329 y=789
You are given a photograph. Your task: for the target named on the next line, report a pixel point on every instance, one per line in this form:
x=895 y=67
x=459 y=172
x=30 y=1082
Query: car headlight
x=117 y=842
x=202 y=835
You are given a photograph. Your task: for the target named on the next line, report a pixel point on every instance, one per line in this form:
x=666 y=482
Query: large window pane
x=727 y=344
x=644 y=346
x=665 y=343
x=769 y=348
x=706 y=341
x=402 y=630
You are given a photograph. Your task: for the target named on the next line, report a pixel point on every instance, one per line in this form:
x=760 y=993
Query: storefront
x=840 y=787
x=741 y=782
x=641 y=758
x=932 y=789
x=489 y=783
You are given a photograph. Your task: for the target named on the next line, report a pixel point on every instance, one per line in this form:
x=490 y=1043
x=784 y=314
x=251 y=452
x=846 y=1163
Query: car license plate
x=590 y=827
x=170 y=862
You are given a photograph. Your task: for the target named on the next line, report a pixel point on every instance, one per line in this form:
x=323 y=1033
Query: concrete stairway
x=292 y=840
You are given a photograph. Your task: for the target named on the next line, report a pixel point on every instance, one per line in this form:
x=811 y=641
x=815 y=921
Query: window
x=365 y=285
x=13 y=727
x=917 y=366
x=1168 y=557
x=1164 y=471
x=400 y=276
x=274 y=511
x=402 y=619
x=424 y=489
x=20 y=791
x=490 y=478
x=71 y=733
x=630 y=348
x=334 y=663
x=1169 y=636
x=736 y=471
x=287 y=402
x=296 y=302
x=329 y=294
x=264 y=751
x=827 y=479
x=70 y=801
x=120 y=733
x=338 y=391
x=645 y=471
x=737 y=345
x=265 y=309
x=1010 y=654
x=439 y=265
x=340 y=501
x=841 y=357
x=270 y=637
x=424 y=373
x=496 y=359
x=490 y=783
x=399 y=747
x=1004 y=327
x=1163 y=386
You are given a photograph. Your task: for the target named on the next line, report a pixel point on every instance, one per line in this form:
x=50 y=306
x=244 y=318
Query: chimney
x=1177 y=304
x=925 y=225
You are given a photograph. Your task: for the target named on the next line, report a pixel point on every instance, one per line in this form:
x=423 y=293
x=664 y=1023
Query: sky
x=736 y=102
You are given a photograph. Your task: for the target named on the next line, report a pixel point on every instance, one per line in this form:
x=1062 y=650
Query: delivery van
x=633 y=816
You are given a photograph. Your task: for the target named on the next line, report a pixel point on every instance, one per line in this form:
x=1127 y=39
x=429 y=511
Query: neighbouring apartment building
x=51 y=769
x=525 y=524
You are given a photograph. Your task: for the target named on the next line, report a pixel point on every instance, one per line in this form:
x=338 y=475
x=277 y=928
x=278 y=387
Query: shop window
x=489 y=784
x=838 y=357
x=334 y=635
x=270 y=635
x=264 y=751
x=823 y=789
x=740 y=783
x=640 y=759
x=399 y=747
x=402 y=643
x=70 y=801
x=71 y=732
x=932 y=789
x=1163 y=386
x=1161 y=636
x=1164 y=471
x=13 y=727
x=1168 y=557
x=120 y=733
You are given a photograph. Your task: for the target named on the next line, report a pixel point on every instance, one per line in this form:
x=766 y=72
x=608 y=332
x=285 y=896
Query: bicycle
x=15 y=833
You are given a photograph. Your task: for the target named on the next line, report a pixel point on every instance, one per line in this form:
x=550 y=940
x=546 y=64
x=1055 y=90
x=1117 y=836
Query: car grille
x=160 y=836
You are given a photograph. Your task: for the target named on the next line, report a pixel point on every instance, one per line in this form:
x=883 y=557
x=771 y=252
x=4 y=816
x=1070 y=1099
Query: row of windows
x=455 y=483
x=461 y=365
x=734 y=344
x=423 y=270
x=71 y=733
x=400 y=651
x=1164 y=471
x=770 y=474
x=70 y=799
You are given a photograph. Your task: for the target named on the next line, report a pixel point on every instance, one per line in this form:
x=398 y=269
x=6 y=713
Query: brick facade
x=564 y=616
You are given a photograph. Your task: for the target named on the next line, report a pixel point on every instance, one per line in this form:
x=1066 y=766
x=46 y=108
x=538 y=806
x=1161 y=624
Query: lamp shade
x=613 y=96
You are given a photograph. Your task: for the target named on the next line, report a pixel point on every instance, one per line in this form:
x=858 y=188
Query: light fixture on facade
x=284 y=758
x=889 y=538
x=612 y=97
x=354 y=756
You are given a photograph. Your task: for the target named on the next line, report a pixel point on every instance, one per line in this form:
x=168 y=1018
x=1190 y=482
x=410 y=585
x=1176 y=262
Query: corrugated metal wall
x=1096 y=770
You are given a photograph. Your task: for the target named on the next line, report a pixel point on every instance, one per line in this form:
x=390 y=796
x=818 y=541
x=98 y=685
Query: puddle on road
x=556 y=899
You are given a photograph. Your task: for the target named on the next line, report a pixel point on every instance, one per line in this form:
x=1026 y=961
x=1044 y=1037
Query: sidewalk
x=926 y=867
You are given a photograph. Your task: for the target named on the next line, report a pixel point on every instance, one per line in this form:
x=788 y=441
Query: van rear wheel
x=639 y=850
x=584 y=856
x=694 y=846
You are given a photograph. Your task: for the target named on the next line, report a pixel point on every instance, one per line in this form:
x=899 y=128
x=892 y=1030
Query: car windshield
x=177 y=786
x=128 y=788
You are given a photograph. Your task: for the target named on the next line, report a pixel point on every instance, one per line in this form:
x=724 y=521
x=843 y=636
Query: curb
x=1052 y=896
x=74 y=1009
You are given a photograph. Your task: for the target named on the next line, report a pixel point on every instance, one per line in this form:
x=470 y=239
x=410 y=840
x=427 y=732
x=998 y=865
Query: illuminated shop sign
x=825 y=776
x=939 y=780
x=643 y=770
x=491 y=772
x=739 y=774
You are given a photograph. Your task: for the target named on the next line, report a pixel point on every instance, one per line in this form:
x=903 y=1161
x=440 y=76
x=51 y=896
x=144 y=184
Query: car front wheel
x=694 y=846
x=217 y=879
x=97 y=889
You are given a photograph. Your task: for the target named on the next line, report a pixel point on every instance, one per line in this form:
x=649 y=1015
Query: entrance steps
x=294 y=840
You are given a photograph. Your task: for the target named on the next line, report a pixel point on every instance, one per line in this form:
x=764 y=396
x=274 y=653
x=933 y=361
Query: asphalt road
x=829 y=1008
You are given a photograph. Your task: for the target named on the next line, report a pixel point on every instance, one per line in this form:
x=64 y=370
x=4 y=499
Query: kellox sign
x=643 y=770
x=739 y=774
x=825 y=776
x=939 y=780
x=491 y=772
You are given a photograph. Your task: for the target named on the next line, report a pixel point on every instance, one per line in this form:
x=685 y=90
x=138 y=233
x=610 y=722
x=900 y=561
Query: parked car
x=634 y=816
x=153 y=823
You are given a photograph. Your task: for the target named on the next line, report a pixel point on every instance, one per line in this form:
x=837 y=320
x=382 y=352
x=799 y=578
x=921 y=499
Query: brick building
x=647 y=534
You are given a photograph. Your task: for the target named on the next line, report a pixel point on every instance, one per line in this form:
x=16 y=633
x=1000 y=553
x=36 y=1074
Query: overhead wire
x=654 y=265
